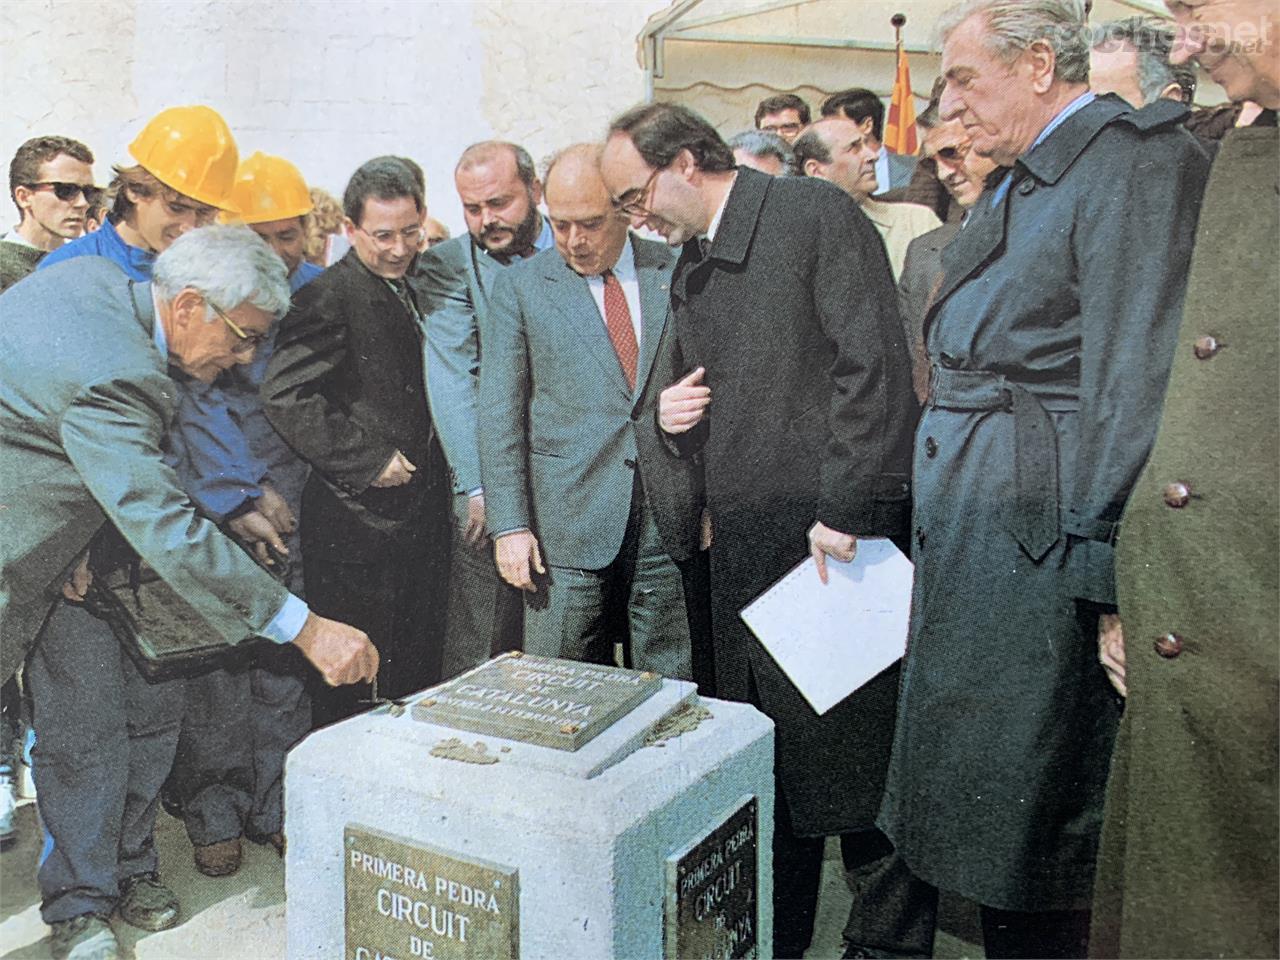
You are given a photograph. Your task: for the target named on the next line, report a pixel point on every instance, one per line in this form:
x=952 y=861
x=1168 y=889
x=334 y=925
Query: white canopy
x=722 y=57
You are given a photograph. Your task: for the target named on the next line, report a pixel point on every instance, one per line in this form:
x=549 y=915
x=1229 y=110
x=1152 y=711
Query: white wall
x=325 y=83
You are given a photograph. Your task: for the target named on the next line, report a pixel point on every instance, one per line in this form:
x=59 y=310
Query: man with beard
x=500 y=192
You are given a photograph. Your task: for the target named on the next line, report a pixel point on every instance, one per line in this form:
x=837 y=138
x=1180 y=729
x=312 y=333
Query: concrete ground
x=242 y=916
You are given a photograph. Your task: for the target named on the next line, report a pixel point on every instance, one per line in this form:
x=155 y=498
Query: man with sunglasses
x=963 y=173
x=51 y=182
x=345 y=389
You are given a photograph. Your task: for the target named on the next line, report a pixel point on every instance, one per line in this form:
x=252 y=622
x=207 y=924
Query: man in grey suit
x=85 y=400
x=963 y=174
x=571 y=341
x=500 y=192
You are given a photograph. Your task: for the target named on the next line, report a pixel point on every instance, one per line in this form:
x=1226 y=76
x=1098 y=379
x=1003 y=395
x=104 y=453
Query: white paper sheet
x=832 y=638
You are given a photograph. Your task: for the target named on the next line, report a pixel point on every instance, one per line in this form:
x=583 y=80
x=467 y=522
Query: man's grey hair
x=1153 y=40
x=227 y=265
x=763 y=144
x=1012 y=26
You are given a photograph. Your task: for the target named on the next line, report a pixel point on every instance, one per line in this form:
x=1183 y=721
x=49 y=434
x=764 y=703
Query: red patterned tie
x=617 y=318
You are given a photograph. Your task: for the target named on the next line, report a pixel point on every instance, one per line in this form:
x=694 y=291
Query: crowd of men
x=1041 y=358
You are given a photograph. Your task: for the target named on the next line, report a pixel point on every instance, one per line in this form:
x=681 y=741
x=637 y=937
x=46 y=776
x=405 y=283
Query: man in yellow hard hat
x=98 y=782
x=239 y=724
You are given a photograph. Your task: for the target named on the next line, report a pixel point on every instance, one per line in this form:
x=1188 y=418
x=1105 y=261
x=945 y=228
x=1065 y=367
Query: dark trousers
x=894 y=913
x=486 y=614
x=241 y=720
x=105 y=740
x=399 y=604
x=1046 y=933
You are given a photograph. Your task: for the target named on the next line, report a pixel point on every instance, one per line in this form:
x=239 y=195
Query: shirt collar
x=1064 y=114
x=134 y=258
x=546 y=237
x=157 y=330
x=625 y=268
x=715 y=221
x=13 y=236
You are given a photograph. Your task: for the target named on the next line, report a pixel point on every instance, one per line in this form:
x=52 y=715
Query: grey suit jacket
x=921 y=276
x=563 y=435
x=85 y=401
x=452 y=282
x=901 y=167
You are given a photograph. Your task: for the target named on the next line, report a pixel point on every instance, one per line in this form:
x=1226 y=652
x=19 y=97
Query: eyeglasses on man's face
x=783 y=129
x=67 y=192
x=246 y=342
x=386 y=239
x=634 y=201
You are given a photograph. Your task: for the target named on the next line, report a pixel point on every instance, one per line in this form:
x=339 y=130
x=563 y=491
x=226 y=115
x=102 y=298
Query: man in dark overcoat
x=1050 y=337
x=1190 y=859
x=345 y=390
x=785 y=312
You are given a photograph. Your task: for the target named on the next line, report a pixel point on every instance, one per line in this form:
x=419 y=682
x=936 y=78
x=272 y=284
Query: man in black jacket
x=345 y=389
x=785 y=311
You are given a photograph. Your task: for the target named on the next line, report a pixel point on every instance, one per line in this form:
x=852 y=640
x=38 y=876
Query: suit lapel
x=972 y=248
x=572 y=298
x=484 y=267
x=653 y=271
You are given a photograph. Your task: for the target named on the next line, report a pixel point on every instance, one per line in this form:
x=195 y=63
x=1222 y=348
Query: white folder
x=830 y=639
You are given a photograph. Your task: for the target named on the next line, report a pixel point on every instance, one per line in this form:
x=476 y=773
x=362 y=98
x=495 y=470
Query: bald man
x=588 y=512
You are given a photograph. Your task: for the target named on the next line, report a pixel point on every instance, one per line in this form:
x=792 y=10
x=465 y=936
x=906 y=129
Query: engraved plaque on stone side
x=406 y=899
x=541 y=700
x=712 y=908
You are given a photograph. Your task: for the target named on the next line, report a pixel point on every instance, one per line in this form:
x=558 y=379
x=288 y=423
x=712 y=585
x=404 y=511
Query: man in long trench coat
x=1051 y=337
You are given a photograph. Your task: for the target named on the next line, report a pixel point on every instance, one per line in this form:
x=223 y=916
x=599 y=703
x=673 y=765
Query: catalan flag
x=900 y=131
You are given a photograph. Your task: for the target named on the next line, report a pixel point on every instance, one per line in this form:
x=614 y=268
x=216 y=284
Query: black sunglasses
x=66 y=192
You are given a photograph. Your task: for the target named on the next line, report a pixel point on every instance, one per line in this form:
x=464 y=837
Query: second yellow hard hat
x=268 y=188
x=191 y=150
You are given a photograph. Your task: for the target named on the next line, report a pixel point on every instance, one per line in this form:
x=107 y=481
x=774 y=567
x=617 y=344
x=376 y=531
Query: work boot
x=219 y=859
x=275 y=840
x=146 y=903
x=86 y=937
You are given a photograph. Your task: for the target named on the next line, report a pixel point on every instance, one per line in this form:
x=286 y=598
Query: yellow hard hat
x=268 y=188
x=191 y=150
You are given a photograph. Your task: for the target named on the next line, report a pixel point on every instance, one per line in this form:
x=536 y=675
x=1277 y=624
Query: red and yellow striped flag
x=900 y=131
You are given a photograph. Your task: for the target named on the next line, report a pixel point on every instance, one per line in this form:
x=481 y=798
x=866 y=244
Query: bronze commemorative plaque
x=541 y=700
x=406 y=899
x=712 y=908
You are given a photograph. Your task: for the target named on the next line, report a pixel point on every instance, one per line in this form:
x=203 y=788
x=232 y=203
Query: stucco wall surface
x=326 y=83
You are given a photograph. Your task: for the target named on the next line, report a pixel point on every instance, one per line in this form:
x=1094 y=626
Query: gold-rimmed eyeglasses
x=247 y=342
x=632 y=203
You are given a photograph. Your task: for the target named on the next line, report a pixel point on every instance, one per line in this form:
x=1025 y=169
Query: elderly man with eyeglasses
x=345 y=389
x=86 y=396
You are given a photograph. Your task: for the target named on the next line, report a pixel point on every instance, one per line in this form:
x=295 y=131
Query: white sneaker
x=8 y=803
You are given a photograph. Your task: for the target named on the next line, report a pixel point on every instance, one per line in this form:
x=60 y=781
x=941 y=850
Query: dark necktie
x=617 y=318
x=1267 y=118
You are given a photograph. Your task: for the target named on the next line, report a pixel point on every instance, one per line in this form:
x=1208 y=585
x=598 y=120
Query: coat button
x=1206 y=347
x=919 y=536
x=631 y=464
x=948 y=361
x=1177 y=495
x=1026 y=187
x=930 y=447
x=1168 y=645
